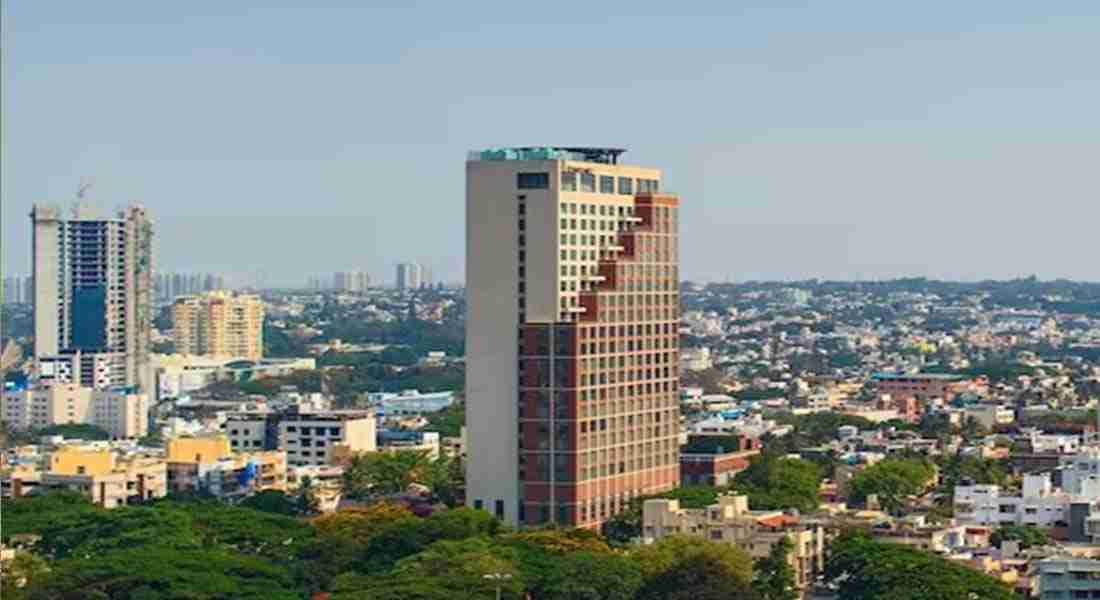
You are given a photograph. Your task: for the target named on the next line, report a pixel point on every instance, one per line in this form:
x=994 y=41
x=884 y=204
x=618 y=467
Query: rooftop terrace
x=609 y=156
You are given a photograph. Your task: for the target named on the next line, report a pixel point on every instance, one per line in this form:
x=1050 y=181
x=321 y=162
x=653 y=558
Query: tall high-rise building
x=355 y=282
x=409 y=276
x=13 y=290
x=219 y=323
x=93 y=289
x=572 y=343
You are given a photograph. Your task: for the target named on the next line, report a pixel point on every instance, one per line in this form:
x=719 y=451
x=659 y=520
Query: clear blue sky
x=828 y=139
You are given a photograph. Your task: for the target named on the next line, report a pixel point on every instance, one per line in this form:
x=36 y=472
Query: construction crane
x=85 y=185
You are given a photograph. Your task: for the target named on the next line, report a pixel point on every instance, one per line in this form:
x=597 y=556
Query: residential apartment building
x=409 y=276
x=119 y=411
x=318 y=438
x=1039 y=503
x=572 y=364
x=730 y=521
x=1068 y=579
x=93 y=293
x=354 y=282
x=206 y=464
x=219 y=323
x=920 y=386
x=106 y=478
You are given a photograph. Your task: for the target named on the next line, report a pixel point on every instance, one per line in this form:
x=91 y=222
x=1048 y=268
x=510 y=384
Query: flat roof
x=932 y=376
x=596 y=154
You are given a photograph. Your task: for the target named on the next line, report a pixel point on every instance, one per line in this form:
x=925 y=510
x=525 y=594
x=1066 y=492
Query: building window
x=533 y=181
x=588 y=182
x=607 y=184
x=477 y=504
x=499 y=509
x=569 y=181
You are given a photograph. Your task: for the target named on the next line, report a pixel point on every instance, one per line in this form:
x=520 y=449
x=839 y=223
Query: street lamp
x=499 y=578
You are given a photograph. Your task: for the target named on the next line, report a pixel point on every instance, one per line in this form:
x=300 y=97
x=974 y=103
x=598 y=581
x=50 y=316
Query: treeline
x=206 y=550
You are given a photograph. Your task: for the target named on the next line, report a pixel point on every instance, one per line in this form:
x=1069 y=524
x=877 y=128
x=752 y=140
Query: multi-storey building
x=106 y=479
x=1039 y=503
x=206 y=464
x=92 y=292
x=1066 y=578
x=730 y=521
x=119 y=411
x=409 y=276
x=309 y=438
x=572 y=366
x=219 y=323
x=355 y=282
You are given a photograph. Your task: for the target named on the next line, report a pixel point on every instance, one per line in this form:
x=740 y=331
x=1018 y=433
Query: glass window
x=569 y=181
x=607 y=184
x=533 y=181
x=588 y=182
x=626 y=186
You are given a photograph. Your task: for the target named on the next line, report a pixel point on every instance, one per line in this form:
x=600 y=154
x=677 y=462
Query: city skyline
x=804 y=137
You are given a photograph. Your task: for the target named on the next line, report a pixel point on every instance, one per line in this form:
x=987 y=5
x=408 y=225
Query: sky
x=839 y=140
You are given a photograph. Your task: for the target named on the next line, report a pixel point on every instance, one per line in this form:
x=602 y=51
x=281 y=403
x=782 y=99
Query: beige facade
x=58 y=404
x=106 y=479
x=219 y=323
x=572 y=366
x=731 y=521
x=323 y=438
x=122 y=414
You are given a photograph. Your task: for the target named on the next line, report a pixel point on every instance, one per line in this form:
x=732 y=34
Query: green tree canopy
x=773 y=577
x=863 y=569
x=892 y=480
x=775 y=482
x=690 y=568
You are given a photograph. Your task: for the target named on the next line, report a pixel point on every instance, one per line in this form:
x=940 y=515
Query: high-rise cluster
x=170 y=285
x=572 y=334
x=413 y=276
x=92 y=295
x=352 y=282
x=219 y=323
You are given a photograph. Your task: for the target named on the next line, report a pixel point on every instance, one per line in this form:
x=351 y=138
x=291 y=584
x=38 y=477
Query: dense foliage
x=866 y=570
x=892 y=481
x=775 y=482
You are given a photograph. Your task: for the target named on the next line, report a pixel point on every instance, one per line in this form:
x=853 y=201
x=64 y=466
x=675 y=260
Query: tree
x=306 y=502
x=470 y=568
x=373 y=474
x=272 y=501
x=1027 y=535
x=449 y=421
x=862 y=569
x=80 y=431
x=892 y=480
x=623 y=527
x=773 y=577
x=688 y=568
x=775 y=482
x=572 y=564
x=362 y=523
x=21 y=574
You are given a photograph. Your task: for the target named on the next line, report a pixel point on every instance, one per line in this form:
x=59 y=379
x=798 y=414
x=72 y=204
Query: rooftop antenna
x=82 y=189
x=81 y=208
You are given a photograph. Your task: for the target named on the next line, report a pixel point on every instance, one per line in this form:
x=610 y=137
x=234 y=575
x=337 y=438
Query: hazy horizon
x=854 y=141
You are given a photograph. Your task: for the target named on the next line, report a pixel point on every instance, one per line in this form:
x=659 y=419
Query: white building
x=1039 y=504
x=695 y=359
x=1080 y=470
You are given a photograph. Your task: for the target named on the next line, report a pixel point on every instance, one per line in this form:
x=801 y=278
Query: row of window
x=584 y=181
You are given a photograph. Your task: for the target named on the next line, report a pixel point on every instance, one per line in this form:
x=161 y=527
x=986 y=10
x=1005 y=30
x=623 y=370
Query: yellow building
x=219 y=323
x=106 y=479
x=207 y=464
